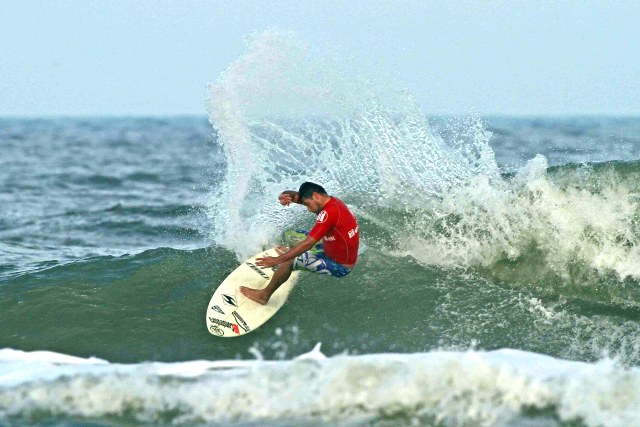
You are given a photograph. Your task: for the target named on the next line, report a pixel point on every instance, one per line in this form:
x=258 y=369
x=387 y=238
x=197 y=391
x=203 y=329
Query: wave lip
x=441 y=387
x=576 y=225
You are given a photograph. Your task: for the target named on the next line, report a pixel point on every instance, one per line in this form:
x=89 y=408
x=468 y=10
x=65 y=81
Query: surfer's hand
x=288 y=197
x=285 y=199
x=267 y=262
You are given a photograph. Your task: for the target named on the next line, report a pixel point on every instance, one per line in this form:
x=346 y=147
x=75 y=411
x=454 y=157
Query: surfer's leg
x=279 y=277
x=319 y=263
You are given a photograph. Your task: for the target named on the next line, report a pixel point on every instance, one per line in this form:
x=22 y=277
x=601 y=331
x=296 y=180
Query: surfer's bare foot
x=254 y=294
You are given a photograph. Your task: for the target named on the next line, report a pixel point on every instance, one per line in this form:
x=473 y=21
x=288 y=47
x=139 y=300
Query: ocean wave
x=496 y=388
x=156 y=211
x=573 y=224
x=435 y=193
x=129 y=308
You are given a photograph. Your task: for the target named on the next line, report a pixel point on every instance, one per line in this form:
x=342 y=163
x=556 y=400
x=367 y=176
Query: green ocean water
x=144 y=270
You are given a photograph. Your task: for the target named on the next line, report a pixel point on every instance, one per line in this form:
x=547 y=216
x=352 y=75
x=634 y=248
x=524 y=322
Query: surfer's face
x=313 y=204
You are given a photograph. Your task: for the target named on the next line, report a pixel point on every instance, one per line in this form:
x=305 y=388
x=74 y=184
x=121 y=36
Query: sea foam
x=441 y=387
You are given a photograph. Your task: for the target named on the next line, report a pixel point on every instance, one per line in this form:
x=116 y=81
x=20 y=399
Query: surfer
x=336 y=225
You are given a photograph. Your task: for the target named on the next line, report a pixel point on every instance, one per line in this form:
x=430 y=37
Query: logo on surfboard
x=216 y=331
x=241 y=321
x=225 y=324
x=218 y=309
x=229 y=300
x=257 y=269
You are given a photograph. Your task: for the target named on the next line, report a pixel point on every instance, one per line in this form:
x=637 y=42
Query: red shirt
x=338 y=228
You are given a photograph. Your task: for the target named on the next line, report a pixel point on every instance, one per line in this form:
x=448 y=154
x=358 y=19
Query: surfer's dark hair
x=308 y=188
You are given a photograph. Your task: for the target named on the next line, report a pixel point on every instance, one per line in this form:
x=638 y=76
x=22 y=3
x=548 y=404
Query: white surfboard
x=231 y=314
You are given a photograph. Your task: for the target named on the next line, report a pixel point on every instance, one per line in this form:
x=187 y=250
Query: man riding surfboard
x=336 y=225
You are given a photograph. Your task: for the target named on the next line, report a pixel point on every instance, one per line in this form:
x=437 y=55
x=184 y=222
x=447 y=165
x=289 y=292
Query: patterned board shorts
x=314 y=259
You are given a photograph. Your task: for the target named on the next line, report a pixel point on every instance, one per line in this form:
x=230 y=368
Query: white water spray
x=286 y=115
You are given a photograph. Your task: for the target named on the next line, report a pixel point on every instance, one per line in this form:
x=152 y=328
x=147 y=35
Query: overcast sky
x=146 y=57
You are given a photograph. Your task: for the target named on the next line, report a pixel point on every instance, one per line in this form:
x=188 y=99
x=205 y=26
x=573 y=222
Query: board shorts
x=314 y=259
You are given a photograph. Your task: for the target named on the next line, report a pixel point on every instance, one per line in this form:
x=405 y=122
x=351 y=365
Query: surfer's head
x=313 y=196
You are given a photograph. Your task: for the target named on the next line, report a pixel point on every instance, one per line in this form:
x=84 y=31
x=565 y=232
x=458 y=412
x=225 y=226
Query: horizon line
x=426 y=114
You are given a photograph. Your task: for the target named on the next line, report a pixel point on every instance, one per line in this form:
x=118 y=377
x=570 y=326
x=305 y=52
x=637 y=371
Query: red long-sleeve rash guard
x=337 y=226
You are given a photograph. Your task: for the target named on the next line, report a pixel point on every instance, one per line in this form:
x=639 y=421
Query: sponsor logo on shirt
x=322 y=217
x=353 y=232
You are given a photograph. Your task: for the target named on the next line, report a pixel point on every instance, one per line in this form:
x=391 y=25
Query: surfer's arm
x=289 y=196
x=300 y=248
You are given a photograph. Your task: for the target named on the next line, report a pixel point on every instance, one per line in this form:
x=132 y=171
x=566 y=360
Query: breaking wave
x=504 y=387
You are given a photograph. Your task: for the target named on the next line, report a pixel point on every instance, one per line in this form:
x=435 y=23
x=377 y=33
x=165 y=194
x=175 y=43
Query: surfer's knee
x=287 y=264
